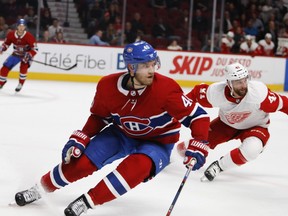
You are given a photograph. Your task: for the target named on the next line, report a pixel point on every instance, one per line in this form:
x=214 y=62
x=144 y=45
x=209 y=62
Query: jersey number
x=186 y=101
x=272 y=97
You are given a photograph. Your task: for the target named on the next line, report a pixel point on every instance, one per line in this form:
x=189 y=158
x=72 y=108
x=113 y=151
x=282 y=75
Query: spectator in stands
x=285 y=51
x=111 y=36
x=256 y=22
x=113 y=9
x=161 y=29
x=239 y=37
x=267 y=10
x=250 y=29
x=227 y=42
x=118 y=24
x=58 y=38
x=95 y=14
x=283 y=32
x=200 y=25
x=104 y=22
x=45 y=37
x=46 y=19
x=55 y=27
x=3 y=28
x=207 y=47
x=137 y=23
x=96 y=39
x=174 y=46
x=267 y=45
x=249 y=46
x=227 y=25
x=274 y=32
x=31 y=18
x=9 y=9
x=130 y=35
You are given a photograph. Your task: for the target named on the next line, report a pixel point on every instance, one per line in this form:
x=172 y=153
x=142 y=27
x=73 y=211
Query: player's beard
x=240 y=92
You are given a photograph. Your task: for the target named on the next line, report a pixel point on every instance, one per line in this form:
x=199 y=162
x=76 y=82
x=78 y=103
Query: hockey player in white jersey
x=244 y=108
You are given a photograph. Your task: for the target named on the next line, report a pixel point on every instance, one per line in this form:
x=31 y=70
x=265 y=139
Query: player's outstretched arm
x=75 y=146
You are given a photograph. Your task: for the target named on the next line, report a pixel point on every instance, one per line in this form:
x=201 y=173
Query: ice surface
x=36 y=123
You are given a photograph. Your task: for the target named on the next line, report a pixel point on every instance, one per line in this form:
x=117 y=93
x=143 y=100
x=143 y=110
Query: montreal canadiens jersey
x=21 y=44
x=153 y=113
x=252 y=110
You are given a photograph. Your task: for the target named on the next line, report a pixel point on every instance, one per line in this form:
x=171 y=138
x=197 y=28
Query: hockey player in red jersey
x=244 y=108
x=135 y=115
x=24 y=45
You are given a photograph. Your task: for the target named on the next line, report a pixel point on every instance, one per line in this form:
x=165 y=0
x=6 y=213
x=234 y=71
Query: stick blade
x=73 y=66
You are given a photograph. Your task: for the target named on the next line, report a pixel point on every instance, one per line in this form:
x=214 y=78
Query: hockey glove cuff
x=196 y=150
x=75 y=146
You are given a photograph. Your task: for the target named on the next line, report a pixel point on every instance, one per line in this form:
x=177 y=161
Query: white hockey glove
x=75 y=146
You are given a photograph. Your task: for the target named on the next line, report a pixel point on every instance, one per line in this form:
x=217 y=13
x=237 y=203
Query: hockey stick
x=193 y=162
x=43 y=63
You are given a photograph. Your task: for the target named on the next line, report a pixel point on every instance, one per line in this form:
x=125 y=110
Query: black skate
x=19 y=87
x=212 y=171
x=28 y=196
x=77 y=207
x=1 y=85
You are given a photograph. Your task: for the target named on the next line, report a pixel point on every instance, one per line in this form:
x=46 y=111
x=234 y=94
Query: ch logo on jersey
x=136 y=126
x=237 y=117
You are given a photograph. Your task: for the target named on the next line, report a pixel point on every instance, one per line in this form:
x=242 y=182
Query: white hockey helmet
x=236 y=71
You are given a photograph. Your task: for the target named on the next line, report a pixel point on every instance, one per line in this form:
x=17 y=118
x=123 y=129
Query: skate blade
x=204 y=179
x=13 y=203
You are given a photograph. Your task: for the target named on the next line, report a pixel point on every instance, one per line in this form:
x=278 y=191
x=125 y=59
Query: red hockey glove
x=75 y=146
x=27 y=58
x=196 y=150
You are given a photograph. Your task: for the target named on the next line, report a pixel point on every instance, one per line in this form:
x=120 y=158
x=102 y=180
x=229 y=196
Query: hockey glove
x=196 y=150
x=75 y=146
x=27 y=58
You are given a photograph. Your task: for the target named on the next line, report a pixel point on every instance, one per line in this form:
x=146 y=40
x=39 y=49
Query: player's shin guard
x=131 y=171
x=64 y=174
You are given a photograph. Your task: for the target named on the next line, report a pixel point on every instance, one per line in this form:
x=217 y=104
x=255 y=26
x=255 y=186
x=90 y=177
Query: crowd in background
x=164 y=23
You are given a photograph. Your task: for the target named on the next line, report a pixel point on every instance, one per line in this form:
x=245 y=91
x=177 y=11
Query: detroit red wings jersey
x=21 y=44
x=252 y=110
x=267 y=48
x=153 y=113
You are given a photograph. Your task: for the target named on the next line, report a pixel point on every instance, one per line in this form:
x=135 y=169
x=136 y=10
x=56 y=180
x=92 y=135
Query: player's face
x=20 y=29
x=145 y=73
x=240 y=87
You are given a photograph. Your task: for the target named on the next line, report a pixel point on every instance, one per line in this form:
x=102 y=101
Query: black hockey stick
x=43 y=63
x=193 y=162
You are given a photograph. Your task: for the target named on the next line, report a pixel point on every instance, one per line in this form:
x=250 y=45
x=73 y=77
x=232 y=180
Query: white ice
x=36 y=123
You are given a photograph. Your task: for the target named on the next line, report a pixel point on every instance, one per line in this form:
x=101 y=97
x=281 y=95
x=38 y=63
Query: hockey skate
x=28 y=196
x=212 y=171
x=19 y=87
x=77 y=207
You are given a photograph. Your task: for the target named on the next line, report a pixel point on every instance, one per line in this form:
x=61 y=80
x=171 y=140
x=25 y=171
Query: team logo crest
x=129 y=49
x=237 y=117
x=136 y=126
